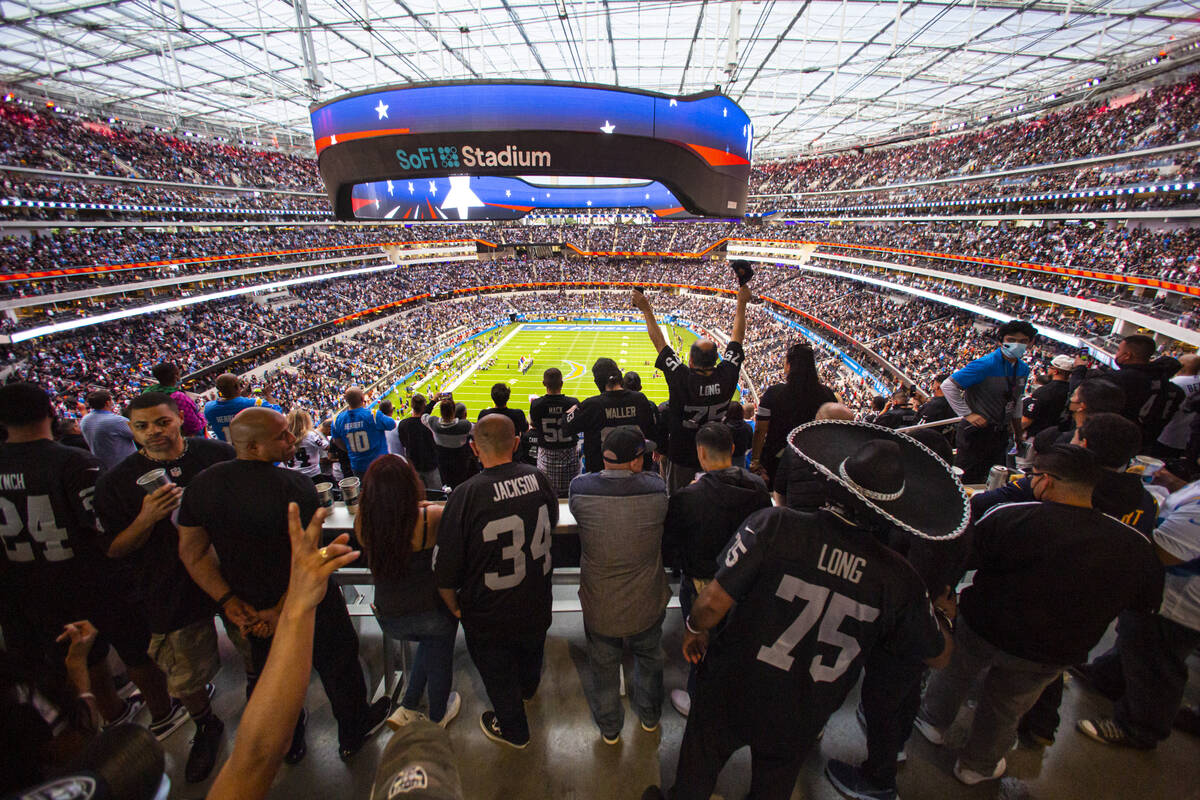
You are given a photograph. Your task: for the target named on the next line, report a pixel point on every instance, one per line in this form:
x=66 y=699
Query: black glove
x=743 y=271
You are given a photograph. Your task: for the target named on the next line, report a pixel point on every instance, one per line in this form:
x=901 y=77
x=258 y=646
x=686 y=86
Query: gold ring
x=324 y=551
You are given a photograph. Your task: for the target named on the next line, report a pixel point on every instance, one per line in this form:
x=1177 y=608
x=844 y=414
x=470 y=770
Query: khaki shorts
x=189 y=657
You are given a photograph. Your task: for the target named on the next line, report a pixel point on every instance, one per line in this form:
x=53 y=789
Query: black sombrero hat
x=897 y=476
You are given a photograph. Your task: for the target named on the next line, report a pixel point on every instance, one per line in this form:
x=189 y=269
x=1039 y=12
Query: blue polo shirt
x=221 y=411
x=362 y=431
x=994 y=386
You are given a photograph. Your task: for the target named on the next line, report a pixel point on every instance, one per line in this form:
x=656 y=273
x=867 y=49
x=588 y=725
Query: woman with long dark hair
x=398 y=530
x=784 y=406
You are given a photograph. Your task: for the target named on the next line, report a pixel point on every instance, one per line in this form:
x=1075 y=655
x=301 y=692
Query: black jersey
x=814 y=596
x=515 y=414
x=597 y=415
x=51 y=542
x=695 y=399
x=547 y=415
x=494 y=548
x=173 y=600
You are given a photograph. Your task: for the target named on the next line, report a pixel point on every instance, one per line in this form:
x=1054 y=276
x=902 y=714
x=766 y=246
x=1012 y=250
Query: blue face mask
x=1013 y=350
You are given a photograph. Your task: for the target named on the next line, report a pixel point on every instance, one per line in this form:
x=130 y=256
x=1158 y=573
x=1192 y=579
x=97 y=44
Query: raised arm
x=739 y=316
x=642 y=303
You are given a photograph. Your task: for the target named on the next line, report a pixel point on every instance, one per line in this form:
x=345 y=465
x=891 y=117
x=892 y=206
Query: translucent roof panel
x=811 y=73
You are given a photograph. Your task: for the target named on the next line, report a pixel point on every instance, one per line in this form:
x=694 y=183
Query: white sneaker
x=682 y=701
x=453 y=704
x=403 y=716
x=971 y=777
x=133 y=707
x=929 y=732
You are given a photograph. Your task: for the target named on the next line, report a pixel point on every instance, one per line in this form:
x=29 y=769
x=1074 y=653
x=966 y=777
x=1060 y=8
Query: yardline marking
x=470 y=370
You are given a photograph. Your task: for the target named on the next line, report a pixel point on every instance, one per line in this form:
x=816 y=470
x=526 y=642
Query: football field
x=573 y=348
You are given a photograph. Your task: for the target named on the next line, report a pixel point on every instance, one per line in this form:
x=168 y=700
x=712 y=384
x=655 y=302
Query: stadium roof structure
x=812 y=74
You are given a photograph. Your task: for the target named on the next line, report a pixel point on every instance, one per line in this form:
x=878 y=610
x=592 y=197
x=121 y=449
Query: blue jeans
x=434 y=632
x=603 y=687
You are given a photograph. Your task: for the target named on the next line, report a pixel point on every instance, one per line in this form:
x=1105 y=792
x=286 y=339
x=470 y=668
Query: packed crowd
x=49 y=139
x=1162 y=115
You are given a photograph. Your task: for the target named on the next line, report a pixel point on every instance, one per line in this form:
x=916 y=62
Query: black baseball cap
x=623 y=444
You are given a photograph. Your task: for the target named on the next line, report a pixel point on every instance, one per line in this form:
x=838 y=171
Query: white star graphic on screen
x=460 y=196
x=381 y=110
x=724 y=112
x=647 y=195
x=433 y=188
x=589 y=202
x=608 y=127
x=332 y=139
x=508 y=192
x=673 y=103
x=390 y=188
x=411 y=188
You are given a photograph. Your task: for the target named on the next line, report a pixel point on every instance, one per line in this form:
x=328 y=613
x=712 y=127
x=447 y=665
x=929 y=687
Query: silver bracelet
x=687 y=622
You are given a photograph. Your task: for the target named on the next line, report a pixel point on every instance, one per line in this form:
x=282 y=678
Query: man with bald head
x=697 y=392
x=797 y=485
x=361 y=431
x=233 y=539
x=220 y=412
x=493 y=572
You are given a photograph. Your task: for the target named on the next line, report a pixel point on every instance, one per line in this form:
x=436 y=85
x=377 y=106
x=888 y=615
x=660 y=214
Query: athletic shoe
x=682 y=701
x=851 y=782
x=205 y=746
x=1188 y=721
x=298 y=748
x=614 y=739
x=403 y=716
x=491 y=729
x=970 y=777
x=377 y=716
x=1109 y=731
x=453 y=704
x=127 y=689
x=932 y=734
x=650 y=728
x=133 y=707
x=162 y=728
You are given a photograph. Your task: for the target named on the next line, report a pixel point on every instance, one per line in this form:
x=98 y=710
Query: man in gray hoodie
x=702 y=517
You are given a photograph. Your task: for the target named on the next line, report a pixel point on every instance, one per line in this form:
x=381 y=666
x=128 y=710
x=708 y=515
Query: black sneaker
x=173 y=721
x=377 y=716
x=1109 y=731
x=850 y=781
x=491 y=729
x=205 y=746
x=299 y=748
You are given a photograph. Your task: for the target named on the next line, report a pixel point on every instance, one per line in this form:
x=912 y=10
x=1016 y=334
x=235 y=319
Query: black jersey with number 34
x=46 y=519
x=494 y=548
x=814 y=595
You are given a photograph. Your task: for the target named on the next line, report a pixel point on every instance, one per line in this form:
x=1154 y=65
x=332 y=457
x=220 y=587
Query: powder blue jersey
x=221 y=411
x=362 y=431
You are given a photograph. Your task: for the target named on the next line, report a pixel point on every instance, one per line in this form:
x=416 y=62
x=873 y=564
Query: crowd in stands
x=1162 y=115
x=53 y=140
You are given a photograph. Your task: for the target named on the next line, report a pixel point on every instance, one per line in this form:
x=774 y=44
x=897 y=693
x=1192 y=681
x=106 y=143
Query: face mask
x=1013 y=350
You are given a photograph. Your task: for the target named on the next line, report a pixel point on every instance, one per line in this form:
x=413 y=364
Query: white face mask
x=1013 y=350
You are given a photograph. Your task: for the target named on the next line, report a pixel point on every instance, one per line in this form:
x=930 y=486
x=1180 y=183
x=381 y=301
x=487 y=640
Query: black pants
x=891 y=697
x=1147 y=673
x=511 y=669
x=719 y=723
x=1042 y=720
x=979 y=449
x=335 y=658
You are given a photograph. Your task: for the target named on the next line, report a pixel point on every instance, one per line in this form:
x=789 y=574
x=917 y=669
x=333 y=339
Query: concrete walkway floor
x=567 y=760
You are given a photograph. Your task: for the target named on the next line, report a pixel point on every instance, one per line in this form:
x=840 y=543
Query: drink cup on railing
x=350 y=487
x=325 y=494
x=1147 y=467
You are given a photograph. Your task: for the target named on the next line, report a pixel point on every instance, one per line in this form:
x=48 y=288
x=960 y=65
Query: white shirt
x=395 y=447
x=1178 y=533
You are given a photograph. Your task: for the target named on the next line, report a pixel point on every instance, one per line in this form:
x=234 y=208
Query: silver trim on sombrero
x=966 y=505
x=882 y=497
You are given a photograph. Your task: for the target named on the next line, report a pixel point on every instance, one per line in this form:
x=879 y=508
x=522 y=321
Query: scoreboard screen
x=484 y=143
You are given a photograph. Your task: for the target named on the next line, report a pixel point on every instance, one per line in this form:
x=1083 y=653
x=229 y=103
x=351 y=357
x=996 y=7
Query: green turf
x=571 y=350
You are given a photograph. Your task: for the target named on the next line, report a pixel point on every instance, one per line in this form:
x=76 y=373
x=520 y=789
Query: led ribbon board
x=454 y=150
